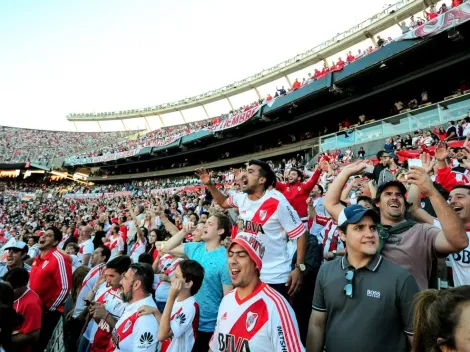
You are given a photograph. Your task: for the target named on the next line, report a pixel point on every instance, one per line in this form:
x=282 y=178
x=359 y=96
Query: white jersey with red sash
x=274 y=221
x=87 y=285
x=134 y=333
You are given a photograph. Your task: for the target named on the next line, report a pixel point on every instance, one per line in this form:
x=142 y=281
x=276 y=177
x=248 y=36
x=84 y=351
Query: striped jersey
x=261 y=322
x=274 y=221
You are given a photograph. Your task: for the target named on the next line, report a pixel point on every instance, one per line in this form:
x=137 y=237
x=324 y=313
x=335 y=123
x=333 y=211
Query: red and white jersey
x=460 y=262
x=134 y=333
x=137 y=249
x=329 y=237
x=114 y=305
x=116 y=246
x=184 y=322
x=62 y=242
x=92 y=326
x=274 y=221
x=87 y=285
x=86 y=247
x=261 y=322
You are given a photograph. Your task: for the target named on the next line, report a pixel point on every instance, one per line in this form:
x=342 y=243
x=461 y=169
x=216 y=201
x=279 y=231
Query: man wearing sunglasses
x=361 y=301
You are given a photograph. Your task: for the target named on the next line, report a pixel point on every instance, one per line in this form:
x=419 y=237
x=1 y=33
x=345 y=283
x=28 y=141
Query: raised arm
x=453 y=237
x=331 y=202
x=219 y=197
x=175 y=245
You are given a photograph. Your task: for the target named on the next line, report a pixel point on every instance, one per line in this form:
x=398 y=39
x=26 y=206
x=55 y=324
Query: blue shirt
x=216 y=274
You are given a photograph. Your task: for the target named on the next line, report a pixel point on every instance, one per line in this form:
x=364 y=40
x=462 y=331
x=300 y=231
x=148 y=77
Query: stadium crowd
x=26 y=145
x=236 y=258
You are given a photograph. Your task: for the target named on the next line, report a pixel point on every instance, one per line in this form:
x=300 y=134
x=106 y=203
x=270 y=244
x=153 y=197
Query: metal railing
x=426 y=117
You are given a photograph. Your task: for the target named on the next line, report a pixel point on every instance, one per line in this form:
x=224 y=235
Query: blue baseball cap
x=354 y=213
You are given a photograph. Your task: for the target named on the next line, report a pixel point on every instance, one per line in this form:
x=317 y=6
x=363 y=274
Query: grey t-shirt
x=414 y=250
x=378 y=316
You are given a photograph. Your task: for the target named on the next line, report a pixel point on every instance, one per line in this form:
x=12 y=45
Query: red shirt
x=51 y=279
x=456 y=3
x=296 y=85
x=29 y=305
x=298 y=193
x=350 y=58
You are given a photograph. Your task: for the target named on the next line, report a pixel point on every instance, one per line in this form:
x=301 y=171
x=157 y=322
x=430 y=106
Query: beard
x=127 y=297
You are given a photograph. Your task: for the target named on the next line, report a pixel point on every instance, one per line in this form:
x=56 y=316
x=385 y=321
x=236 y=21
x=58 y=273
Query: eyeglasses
x=348 y=289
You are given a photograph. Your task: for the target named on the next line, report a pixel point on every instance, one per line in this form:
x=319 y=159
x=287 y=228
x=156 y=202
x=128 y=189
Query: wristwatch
x=334 y=252
x=301 y=267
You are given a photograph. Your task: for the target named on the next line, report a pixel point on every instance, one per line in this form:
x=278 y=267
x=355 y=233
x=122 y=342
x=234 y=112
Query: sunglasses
x=348 y=289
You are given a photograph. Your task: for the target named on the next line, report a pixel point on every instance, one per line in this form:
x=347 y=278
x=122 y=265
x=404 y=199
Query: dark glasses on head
x=348 y=289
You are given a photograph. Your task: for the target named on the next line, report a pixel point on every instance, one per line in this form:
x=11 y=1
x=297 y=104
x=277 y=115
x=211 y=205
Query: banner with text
x=96 y=195
x=445 y=21
x=102 y=158
x=234 y=120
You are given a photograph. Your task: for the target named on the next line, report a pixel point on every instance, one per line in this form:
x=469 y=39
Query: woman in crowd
x=442 y=320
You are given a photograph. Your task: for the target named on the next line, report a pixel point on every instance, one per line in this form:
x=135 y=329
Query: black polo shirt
x=378 y=315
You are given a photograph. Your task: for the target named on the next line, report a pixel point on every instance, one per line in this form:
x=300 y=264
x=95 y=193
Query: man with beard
x=253 y=316
x=110 y=306
x=16 y=252
x=296 y=191
x=133 y=332
x=267 y=214
x=51 y=279
x=408 y=244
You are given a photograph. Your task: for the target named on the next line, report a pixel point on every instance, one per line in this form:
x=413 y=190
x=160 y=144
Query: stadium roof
x=366 y=29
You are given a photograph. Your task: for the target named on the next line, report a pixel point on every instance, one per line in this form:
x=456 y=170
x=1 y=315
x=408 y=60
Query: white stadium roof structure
x=250 y=89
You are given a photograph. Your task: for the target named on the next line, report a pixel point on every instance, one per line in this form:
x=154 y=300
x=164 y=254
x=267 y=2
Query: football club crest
x=45 y=264
x=262 y=214
x=251 y=319
x=127 y=326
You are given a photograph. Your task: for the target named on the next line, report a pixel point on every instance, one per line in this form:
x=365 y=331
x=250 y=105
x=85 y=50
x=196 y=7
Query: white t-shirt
x=86 y=247
x=460 y=263
x=116 y=246
x=87 y=285
x=134 y=333
x=62 y=241
x=184 y=321
x=76 y=262
x=261 y=322
x=274 y=221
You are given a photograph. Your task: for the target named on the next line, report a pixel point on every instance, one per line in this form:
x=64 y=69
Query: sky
x=58 y=57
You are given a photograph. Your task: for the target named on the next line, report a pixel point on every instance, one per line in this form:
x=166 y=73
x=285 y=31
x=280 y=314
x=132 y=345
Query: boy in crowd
x=180 y=317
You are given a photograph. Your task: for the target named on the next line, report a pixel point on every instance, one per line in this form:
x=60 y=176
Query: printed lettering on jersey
x=462 y=256
x=282 y=339
x=262 y=215
x=247 y=326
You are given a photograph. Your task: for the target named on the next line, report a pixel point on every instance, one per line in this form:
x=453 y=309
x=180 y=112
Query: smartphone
x=415 y=162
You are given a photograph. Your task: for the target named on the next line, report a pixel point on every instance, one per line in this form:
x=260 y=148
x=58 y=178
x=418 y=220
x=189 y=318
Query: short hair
x=17 y=277
x=75 y=246
x=105 y=251
x=141 y=209
x=57 y=234
x=223 y=222
x=144 y=273
x=123 y=218
x=381 y=153
x=265 y=171
x=467 y=187
x=365 y=199
x=299 y=173
x=192 y=271
x=204 y=213
x=120 y=264
x=145 y=258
